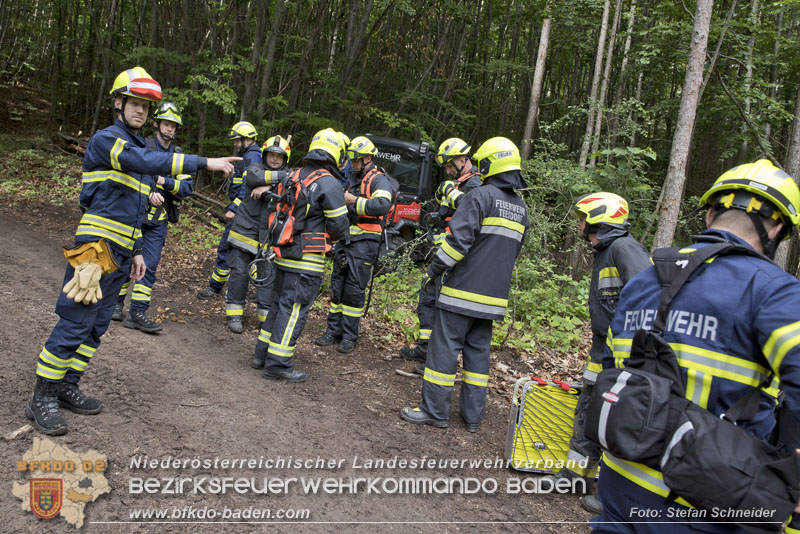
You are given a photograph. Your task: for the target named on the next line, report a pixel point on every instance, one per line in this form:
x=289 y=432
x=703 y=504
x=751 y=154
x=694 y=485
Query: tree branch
x=750 y=125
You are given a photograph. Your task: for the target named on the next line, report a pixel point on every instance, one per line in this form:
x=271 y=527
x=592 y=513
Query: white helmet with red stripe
x=136 y=82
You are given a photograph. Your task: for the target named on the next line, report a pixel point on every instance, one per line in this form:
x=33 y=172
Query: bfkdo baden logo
x=46 y=496
x=60 y=482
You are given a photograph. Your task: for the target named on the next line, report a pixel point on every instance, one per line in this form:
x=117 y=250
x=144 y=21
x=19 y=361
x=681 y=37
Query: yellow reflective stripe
x=608 y=272
x=283 y=351
x=238 y=179
x=263 y=335
x=450 y=251
x=357 y=230
x=47 y=372
x=424 y=333
x=475 y=379
x=474 y=297
x=790 y=530
x=780 y=342
x=78 y=365
x=594 y=367
x=115 y=176
x=382 y=193
x=233 y=312
x=686 y=250
x=646 y=477
x=500 y=221
x=262 y=314
x=116 y=150
x=177 y=164
x=438 y=378
x=236 y=236
x=335 y=308
x=720 y=365
x=314 y=263
x=141 y=298
x=99 y=232
x=351 y=311
x=287 y=334
x=108 y=224
x=237 y=201
x=49 y=357
x=621 y=349
x=141 y=288
x=86 y=350
x=330 y=214
x=438 y=239
x=361 y=206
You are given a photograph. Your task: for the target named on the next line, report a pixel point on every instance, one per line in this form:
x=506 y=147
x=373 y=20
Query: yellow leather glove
x=85 y=284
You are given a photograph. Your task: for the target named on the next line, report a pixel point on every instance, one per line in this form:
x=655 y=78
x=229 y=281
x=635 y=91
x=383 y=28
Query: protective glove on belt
x=91 y=261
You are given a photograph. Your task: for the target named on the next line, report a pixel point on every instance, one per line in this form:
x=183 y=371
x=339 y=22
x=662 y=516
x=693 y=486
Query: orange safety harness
x=288 y=220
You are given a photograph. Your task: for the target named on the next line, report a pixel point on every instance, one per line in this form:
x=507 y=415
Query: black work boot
x=289 y=376
x=326 y=339
x=235 y=324
x=209 y=293
x=258 y=361
x=138 y=319
x=43 y=408
x=71 y=398
x=118 y=312
x=346 y=346
x=415 y=354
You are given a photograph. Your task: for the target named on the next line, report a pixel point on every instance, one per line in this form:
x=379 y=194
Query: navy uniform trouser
x=426 y=309
x=153 y=238
x=352 y=270
x=239 y=261
x=292 y=296
x=76 y=335
x=630 y=509
x=582 y=450
x=454 y=333
x=221 y=270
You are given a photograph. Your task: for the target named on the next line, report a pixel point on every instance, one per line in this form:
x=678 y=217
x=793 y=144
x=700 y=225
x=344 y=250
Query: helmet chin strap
x=770 y=245
x=165 y=137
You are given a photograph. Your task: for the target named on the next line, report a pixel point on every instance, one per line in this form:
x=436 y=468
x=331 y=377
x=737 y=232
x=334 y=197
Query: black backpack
x=639 y=413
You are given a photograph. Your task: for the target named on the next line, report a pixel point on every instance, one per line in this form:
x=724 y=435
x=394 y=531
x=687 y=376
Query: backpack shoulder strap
x=675 y=266
x=151 y=143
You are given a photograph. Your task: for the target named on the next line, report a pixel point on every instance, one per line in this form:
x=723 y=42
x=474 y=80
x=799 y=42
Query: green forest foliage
x=429 y=70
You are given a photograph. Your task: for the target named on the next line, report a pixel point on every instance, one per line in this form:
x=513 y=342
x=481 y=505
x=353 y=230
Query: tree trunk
x=273 y=43
x=792 y=167
x=748 y=76
x=536 y=87
x=305 y=59
x=623 y=73
x=676 y=172
x=255 y=54
x=598 y=67
x=604 y=85
x=773 y=76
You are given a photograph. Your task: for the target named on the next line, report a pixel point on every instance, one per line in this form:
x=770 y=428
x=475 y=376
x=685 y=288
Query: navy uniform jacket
x=367 y=213
x=116 y=185
x=181 y=185
x=250 y=225
x=327 y=212
x=733 y=325
x=237 y=192
x=487 y=233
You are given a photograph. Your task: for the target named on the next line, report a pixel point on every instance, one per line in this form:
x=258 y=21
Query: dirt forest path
x=190 y=393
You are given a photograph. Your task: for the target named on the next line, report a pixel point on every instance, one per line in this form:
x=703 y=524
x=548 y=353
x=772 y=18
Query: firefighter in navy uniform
x=618 y=257
x=116 y=185
x=475 y=262
x=250 y=227
x=319 y=216
x=244 y=138
x=368 y=196
x=750 y=310
x=154 y=230
x=453 y=155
